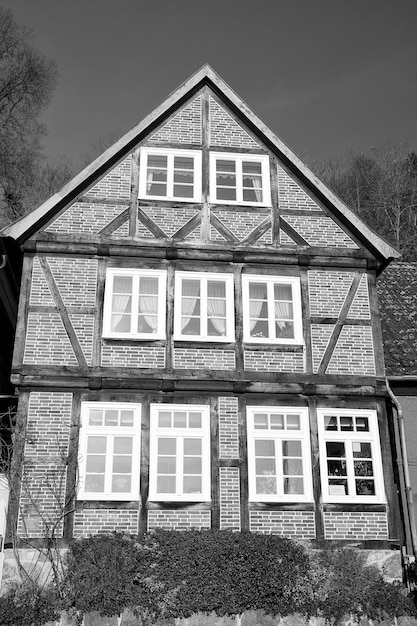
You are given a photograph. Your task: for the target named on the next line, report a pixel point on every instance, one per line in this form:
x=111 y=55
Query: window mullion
x=203 y=308
x=134 y=313
x=271 y=310
x=109 y=464
x=239 y=181
x=279 y=471
x=350 y=468
x=170 y=175
x=180 y=466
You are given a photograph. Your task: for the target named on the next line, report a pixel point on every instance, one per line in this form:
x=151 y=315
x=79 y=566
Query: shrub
x=27 y=605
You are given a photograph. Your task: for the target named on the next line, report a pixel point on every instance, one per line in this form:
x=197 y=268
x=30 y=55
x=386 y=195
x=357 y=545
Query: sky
x=329 y=77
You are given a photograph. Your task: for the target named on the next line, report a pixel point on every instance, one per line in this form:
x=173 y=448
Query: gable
x=202 y=115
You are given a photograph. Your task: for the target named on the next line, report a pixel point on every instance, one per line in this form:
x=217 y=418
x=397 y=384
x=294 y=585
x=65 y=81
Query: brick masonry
x=179 y=520
x=354 y=352
x=290 y=524
x=76 y=280
x=328 y=290
x=320 y=231
x=225 y=131
x=115 y=184
x=47 y=342
x=229 y=498
x=268 y=361
x=291 y=196
x=40 y=293
x=170 y=220
x=200 y=358
x=44 y=476
x=83 y=218
x=93 y=521
x=320 y=335
x=122 y=355
x=360 y=305
x=83 y=325
x=240 y=223
x=228 y=428
x=355 y=525
x=184 y=127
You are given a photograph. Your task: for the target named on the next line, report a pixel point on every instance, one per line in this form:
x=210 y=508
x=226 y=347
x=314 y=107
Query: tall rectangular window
x=179 y=454
x=134 y=304
x=350 y=456
x=279 y=454
x=170 y=174
x=204 y=306
x=271 y=309
x=109 y=451
x=239 y=179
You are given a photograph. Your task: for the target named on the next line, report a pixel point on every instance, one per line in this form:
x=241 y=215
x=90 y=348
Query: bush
x=27 y=605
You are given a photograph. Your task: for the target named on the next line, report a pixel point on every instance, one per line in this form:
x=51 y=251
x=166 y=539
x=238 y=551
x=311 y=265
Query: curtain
x=149 y=179
x=255 y=306
x=121 y=306
x=283 y=312
x=257 y=185
x=216 y=309
x=190 y=295
x=148 y=305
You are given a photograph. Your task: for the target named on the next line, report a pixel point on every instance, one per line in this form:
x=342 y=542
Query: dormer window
x=170 y=174
x=239 y=179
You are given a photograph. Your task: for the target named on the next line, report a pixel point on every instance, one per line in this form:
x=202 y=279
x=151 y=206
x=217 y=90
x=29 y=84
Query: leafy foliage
x=28 y=605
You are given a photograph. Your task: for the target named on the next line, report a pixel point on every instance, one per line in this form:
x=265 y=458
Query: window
x=279 y=454
x=271 y=309
x=170 y=174
x=134 y=304
x=109 y=451
x=239 y=179
x=204 y=306
x=350 y=456
x=179 y=453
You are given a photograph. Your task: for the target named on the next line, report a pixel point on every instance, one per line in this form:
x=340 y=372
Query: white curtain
x=216 y=309
x=148 y=305
x=121 y=305
x=257 y=187
x=255 y=306
x=190 y=293
x=282 y=312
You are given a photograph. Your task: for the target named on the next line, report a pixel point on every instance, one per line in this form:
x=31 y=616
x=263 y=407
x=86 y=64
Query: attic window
x=170 y=174
x=239 y=179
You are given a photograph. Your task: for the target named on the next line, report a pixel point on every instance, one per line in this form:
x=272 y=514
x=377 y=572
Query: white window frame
x=204 y=277
x=263 y=159
x=110 y=432
x=348 y=437
x=135 y=274
x=296 y=302
x=277 y=436
x=170 y=154
x=179 y=434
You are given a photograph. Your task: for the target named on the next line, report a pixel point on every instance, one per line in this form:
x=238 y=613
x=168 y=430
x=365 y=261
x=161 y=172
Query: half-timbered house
x=199 y=343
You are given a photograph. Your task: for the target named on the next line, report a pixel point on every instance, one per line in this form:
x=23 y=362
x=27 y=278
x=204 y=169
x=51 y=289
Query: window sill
x=155 y=341
x=283 y=347
x=204 y=343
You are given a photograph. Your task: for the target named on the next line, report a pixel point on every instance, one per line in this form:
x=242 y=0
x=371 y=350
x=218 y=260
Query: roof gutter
x=407 y=497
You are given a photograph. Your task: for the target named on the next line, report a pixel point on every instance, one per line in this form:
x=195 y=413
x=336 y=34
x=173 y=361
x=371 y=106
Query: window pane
x=363 y=468
x=180 y=419
x=260 y=420
x=260 y=329
x=277 y=421
x=164 y=419
x=338 y=487
x=225 y=193
x=264 y=447
x=365 y=487
x=266 y=485
x=293 y=422
x=193 y=465
x=252 y=195
x=96 y=445
x=123 y=445
x=120 y=323
x=192 y=484
x=94 y=484
x=291 y=448
x=121 y=303
x=167 y=465
x=216 y=289
x=336 y=468
x=194 y=420
x=166 y=446
x=121 y=483
x=251 y=167
x=257 y=291
x=157 y=161
x=292 y=467
x=362 y=424
x=122 y=284
x=346 y=423
x=95 y=417
x=126 y=418
x=330 y=422
x=293 y=486
x=224 y=165
x=148 y=285
x=183 y=163
x=165 y=484
x=183 y=191
x=265 y=466
x=190 y=288
x=193 y=446
x=335 y=448
x=283 y=292
x=362 y=449
x=96 y=464
x=122 y=464
x=111 y=417
x=157 y=189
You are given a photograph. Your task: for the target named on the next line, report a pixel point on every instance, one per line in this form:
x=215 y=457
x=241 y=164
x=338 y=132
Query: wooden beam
x=150 y=224
x=275 y=209
x=257 y=232
x=144 y=467
x=98 y=321
x=205 y=191
x=53 y=287
x=214 y=455
x=72 y=465
x=222 y=229
x=188 y=227
x=118 y=221
x=305 y=311
x=340 y=323
x=134 y=193
x=292 y=233
x=315 y=468
x=22 y=316
x=243 y=459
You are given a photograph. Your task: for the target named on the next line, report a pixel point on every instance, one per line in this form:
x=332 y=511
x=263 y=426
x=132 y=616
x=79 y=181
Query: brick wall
x=44 y=476
x=185 y=127
x=228 y=428
x=360 y=305
x=47 y=341
x=200 y=358
x=179 y=520
x=83 y=218
x=320 y=335
x=93 y=521
x=290 y=524
x=320 y=231
x=292 y=196
x=122 y=355
x=328 y=290
x=225 y=131
x=240 y=223
x=76 y=279
x=115 y=184
x=354 y=352
x=229 y=498
x=355 y=525
x=170 y=220
x=259 y=361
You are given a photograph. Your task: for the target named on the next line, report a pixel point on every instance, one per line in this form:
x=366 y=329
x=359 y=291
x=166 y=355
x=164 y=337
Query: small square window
x=239 y=179
x=170 y=174
x=134 y=304
x=204 y=307
x=271 y=309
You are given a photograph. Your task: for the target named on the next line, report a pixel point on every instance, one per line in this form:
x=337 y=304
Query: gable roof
x=397 y=292
x=25 y=227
